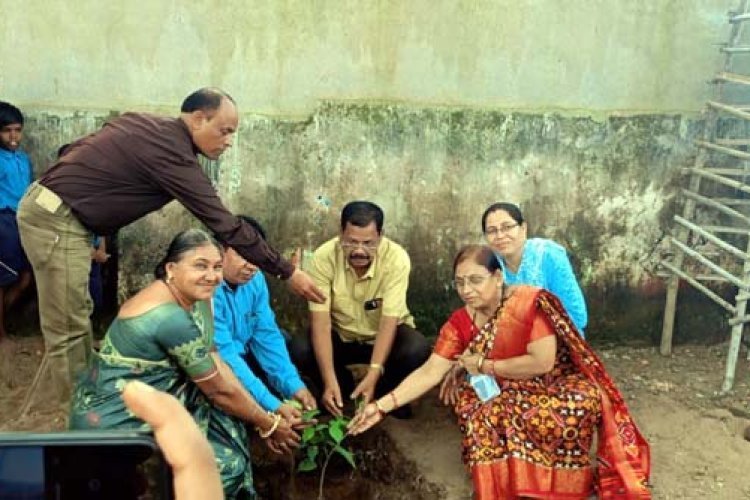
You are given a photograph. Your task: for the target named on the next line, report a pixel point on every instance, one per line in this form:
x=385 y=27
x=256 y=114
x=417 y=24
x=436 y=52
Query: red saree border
x=526 y=481
x=623 y=455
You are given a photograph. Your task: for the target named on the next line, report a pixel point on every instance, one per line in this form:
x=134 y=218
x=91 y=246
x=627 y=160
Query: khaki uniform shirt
x=387 y=279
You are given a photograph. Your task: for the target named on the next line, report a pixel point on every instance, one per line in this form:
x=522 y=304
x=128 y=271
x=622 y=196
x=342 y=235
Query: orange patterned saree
x=534 y=439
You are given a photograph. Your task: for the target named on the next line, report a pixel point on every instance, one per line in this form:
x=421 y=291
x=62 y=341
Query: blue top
x=15 y=177
x=244 y=320
x=545 y=264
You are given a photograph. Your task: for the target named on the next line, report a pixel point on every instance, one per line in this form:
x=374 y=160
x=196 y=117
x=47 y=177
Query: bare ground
x=698 y=450
x=697 y=447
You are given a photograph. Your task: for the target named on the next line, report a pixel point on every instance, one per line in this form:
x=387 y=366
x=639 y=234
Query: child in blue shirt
x=15 y=177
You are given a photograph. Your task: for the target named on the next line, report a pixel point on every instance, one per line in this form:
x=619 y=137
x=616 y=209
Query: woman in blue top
x=536 y=261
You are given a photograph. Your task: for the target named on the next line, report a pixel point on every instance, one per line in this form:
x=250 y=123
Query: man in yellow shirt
x=364 y=319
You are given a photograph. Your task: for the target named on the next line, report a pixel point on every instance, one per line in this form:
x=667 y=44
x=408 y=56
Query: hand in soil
x=364 y=419
x=284 y=440
x=306 y=399
x=366 y=388
x=332 y=400
x=292 y=415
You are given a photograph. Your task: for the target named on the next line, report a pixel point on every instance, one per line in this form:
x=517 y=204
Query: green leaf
x=312 y=452
x=336 y=432
x=307 y=465
x=309 y=415
x=293 y=403
x=308 y=434
x=346 y=454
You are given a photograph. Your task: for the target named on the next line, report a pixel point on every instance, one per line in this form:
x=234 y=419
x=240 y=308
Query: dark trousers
x=410 y=350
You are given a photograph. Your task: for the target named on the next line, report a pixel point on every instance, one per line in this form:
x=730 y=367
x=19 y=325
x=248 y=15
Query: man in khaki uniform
x=364 y=318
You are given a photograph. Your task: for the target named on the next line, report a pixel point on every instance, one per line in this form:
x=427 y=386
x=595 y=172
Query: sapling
x=320 y=441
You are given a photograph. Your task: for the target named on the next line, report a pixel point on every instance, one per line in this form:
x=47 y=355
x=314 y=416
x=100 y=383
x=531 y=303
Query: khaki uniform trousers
x=58 y=247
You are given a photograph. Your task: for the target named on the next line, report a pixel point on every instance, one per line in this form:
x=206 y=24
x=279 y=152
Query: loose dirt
x=698 y=450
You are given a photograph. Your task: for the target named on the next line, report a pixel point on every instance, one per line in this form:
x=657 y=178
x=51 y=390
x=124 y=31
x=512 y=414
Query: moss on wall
x=602 y=188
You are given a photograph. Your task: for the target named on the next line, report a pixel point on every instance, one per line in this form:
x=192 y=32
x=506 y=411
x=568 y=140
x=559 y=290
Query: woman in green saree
x=163 y=336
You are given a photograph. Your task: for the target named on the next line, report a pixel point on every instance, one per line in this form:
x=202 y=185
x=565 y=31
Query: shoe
x=403 y=413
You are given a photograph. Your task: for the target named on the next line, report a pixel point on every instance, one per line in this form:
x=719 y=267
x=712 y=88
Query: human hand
x=284 y=439
x=292 y=415
x=301 y=284
x=305 y=397
x=366 y=387
x=365 y=418
x=100 y=256
x=470 y=363
x=296 y=257
x=186 y=449
x=449 y=387
x=332 y=399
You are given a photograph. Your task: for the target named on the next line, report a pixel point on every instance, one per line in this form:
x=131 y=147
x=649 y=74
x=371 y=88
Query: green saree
x=164 y=347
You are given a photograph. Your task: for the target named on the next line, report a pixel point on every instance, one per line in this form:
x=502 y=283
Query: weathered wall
x=581 y=111
x=281 y=57
x=599 y=187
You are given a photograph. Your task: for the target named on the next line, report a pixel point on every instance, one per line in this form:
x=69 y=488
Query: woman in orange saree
x=534 y=396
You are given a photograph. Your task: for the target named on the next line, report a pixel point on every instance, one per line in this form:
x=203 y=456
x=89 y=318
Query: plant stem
x=323 y=473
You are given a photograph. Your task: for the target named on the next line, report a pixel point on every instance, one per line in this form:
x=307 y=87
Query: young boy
x=15 y=177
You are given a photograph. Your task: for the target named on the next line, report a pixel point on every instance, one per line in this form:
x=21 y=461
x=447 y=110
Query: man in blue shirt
x=246 y=335
x=15 y=177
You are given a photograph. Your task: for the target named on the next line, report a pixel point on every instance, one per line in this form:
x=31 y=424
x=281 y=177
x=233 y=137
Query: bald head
x=206 y=99
x=211 y=116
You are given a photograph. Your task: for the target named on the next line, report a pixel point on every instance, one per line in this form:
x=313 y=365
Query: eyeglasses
x=370 y=246
x=491 y=232
x=472 y=281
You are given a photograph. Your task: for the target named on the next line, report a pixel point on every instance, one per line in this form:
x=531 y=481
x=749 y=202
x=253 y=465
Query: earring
x=170 y=279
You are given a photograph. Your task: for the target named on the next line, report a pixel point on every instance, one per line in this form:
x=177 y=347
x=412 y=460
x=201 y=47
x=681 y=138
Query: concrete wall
x=582 y=111
x=282 y=57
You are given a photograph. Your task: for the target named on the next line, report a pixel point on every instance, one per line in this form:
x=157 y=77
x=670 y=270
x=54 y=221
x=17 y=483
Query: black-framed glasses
x=491 y=232
x=472 y=281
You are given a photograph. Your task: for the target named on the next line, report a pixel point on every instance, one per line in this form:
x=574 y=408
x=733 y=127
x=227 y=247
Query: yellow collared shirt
x=387 y=279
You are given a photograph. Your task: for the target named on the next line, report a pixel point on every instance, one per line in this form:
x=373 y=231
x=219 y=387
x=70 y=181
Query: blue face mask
x=485 y=386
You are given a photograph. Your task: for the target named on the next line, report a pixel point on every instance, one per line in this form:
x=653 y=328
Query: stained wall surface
x=582 y=111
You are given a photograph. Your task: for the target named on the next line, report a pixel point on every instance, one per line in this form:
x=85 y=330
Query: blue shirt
x=545 y=264
x=244 y=321
x=15 y=177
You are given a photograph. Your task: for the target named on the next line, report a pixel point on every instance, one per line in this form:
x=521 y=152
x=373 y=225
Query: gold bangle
x=479 y=363
x=377 y=366
x=272 y=429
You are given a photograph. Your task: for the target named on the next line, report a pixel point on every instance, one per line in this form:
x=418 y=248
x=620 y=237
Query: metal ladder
x=718 y=181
